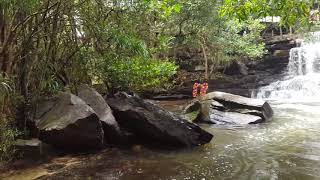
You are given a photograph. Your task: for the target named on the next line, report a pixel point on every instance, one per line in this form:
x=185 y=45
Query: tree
x=291 y=11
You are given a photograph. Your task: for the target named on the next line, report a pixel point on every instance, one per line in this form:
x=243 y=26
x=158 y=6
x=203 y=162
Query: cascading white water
x=302 y=81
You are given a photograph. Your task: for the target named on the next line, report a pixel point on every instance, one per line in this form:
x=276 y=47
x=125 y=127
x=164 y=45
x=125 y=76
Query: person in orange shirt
x=203 y=89
x=195 y=88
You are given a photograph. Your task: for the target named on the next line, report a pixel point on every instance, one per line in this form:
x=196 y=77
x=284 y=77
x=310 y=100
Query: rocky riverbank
x=86 y=122
x=138 y=127
x=240 y=78
x=224 y=108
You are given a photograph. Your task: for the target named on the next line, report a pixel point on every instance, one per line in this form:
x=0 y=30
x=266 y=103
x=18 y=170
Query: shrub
x=139 y=73
x=7 y=137
x=7 y=131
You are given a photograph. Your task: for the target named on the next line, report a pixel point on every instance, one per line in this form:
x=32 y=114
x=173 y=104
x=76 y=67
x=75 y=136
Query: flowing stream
x=286 y=148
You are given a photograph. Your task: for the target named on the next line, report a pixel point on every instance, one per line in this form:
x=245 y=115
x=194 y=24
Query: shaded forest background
x=48 y=46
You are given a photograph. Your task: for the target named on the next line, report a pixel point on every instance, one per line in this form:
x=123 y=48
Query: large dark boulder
x=98 y=104
x=155 y=126
x=66 y=121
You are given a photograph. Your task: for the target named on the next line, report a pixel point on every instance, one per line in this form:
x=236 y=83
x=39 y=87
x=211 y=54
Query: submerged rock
x=154 y=125
x=98 y=104
x=66 y=121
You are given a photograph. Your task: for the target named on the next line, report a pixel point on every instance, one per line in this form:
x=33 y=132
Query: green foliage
x=165 y=7
x=7 y=131
x=138 y=73
x=7 y=138
x=5 y=89
x=48 y=45
x=291 y=11
x=242 y=40
x=199 y=24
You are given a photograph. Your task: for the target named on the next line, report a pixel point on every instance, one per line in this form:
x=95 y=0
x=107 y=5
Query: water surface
x=286 y=148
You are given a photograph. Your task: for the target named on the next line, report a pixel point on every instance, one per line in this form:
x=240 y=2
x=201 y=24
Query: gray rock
x=225 y=108
x=216 y=105
x=30 y=147
x=250 y=112
x=171 y=97
x=236 y=68
x=200 y=68
x=200 y=110
x=232 y=102
x=281 y=53
x=220 y=117
x=68 y=122
x=155 y=126
x=98 y=104
x=194 y=105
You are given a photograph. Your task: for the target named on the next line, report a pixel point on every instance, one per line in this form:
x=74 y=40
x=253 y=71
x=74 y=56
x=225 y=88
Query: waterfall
x=302 y=79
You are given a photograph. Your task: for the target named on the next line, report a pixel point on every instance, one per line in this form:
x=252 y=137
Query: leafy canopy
x=291 y=11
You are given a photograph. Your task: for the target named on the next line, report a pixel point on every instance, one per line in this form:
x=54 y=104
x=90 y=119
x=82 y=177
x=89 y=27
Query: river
x=286 y=148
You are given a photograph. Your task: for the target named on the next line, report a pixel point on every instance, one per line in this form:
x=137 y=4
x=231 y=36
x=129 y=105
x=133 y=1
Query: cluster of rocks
x=225 y=108
x=85 y=122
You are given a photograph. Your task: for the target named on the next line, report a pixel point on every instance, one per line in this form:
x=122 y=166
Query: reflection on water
x=286 y=148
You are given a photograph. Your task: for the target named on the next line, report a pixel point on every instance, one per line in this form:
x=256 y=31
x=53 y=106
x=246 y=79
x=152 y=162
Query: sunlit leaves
x=239 y=46
x=165 y=7
x=5 y=88
x=139 y=73
x=291 y=11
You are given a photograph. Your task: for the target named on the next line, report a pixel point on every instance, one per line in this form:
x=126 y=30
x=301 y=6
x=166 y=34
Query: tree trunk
x=3 y=53
x=205 y=61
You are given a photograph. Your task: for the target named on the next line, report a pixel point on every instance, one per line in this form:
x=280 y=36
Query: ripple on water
x=286 y=148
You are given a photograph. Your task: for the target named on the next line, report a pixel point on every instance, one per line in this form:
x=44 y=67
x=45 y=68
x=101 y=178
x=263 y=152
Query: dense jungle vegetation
x=52 y=45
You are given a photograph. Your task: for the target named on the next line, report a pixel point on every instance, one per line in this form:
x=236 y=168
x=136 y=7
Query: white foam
x=302 y=82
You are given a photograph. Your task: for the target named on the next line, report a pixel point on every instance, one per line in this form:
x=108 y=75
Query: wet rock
x=232 y=102
x=194 y=105
x=192 y=111
x=250 y=112
x=200 y=68
x=205 y=111
x=225 y=108
x=200 y=110
x=66 y=121
x=29 y=148
x=281 y=53
x=171 y=97
x=155 y=126
x=224 y=117
x=110 y=126
x=236 y=68
x=285 y=44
